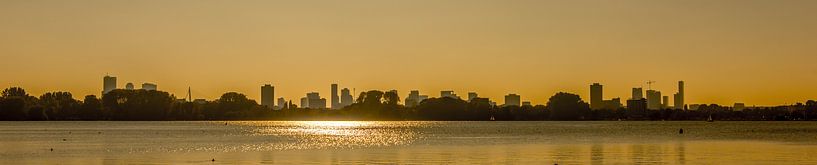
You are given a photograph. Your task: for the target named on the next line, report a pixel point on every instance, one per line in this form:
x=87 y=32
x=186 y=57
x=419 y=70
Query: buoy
x=63 y=139
x=681 y=131
x=52 y=149
x=213 y=160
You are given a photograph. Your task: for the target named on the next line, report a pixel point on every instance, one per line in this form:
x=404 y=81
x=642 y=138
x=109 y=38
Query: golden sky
x=760 y=52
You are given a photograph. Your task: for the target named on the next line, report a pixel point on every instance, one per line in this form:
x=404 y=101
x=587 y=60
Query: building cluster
x=109 y=84
x=312 y=100
x=654 y=100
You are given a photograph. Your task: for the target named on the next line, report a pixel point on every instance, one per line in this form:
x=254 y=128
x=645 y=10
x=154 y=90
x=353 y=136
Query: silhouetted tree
x=566 y=106
x=12 y=108
x=91 y=108
x=137 y=104
x=232 y=105
x=59 y=105
x=444 y=108
x=391 y=98
x=14 y=92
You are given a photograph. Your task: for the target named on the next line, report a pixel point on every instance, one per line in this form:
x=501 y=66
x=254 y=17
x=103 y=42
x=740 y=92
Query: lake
x=408 y=142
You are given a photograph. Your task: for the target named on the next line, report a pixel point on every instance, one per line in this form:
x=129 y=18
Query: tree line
x=121 y=104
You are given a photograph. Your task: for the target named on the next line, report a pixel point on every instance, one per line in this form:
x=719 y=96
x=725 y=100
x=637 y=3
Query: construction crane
x=649 y=84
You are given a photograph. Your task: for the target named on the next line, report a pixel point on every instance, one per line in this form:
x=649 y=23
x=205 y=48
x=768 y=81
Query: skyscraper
x=314 y=101
x=108 y=84
x=149 y=86
x=653 y=99
x=679 y=97
x=304 y=102
x=346 y=98
x=665 y=103
x=512 y=100
x=281 y=103
x=413 y=98
x=268 y=96
x=596 y=96
x=638 y=94
x=335 y=98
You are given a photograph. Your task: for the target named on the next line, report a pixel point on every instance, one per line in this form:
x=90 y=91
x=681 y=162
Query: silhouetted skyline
x=733 y=50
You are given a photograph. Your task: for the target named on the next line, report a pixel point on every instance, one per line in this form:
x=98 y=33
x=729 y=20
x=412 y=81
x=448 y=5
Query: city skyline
x=655 y=99
x=733 y=51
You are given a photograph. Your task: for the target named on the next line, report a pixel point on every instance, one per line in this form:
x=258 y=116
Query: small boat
x=492 y=118
x=710 y=119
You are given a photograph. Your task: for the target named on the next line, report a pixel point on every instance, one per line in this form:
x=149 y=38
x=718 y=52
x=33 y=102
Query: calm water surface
x=272 y=142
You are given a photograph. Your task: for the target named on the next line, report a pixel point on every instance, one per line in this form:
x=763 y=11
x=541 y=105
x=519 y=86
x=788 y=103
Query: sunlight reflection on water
x=407 y=142
x=337 y=134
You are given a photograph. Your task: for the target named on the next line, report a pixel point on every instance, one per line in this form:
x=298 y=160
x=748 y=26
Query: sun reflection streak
x=336 y=134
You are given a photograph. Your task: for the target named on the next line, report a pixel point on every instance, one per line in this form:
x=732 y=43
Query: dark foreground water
x=606 y=142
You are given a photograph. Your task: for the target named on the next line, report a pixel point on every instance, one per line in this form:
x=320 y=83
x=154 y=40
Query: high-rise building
x=304 y=102
x=129 y=86
x=512 y=100
x=346 y=98
x=149 y=86
x=472 y=95
x=335 y=98
x=665 y=103
x=596 y=96
x=268 y=96
x=638 y=94
x=108 y=84
x=281 y=103
x=679 y=97
x=413 y=98
x=314 y=101
x=526 y=103
x=653 y=99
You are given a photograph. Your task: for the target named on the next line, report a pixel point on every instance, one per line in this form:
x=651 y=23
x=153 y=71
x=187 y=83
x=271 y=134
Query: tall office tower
x=512 y=100
x=653 y=99
x=472 y=95
x=281 y=103
x=413 y=98
x=679 y=97
x=526 y=103
x=149 y=86
x=108 y=84
x=129 y=86
x=665 y=103
x=268 y=96
x=638 y=94
x=346 y=98
x=315 y=101
x=596 y=96
x=335 y=98
x=304 y=102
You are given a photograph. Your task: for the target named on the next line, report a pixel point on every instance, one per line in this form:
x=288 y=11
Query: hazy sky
x=761 y=52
